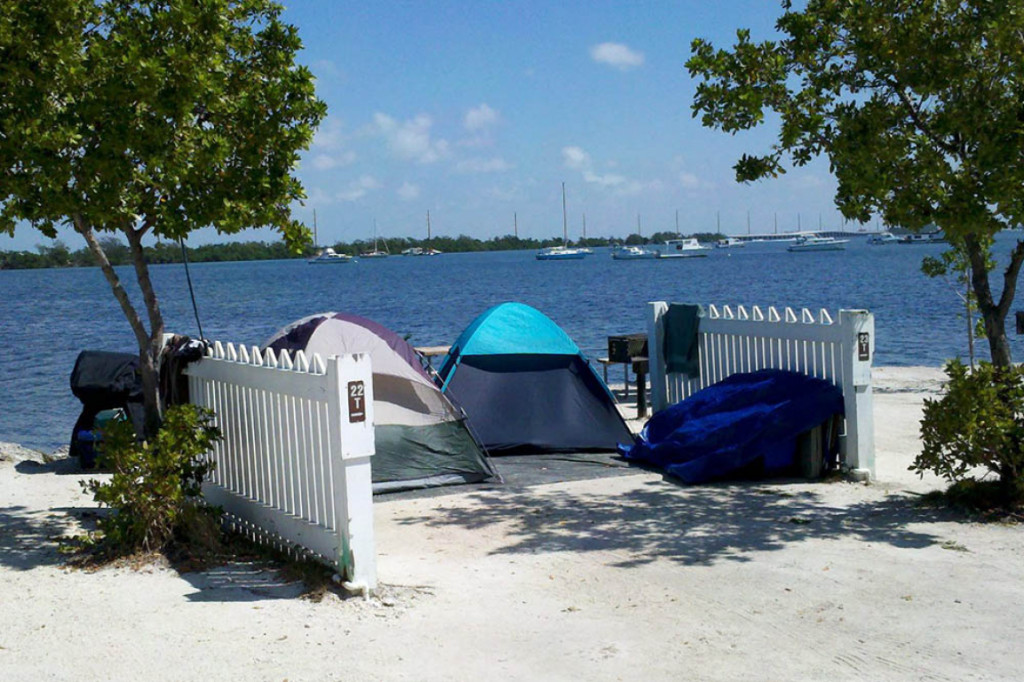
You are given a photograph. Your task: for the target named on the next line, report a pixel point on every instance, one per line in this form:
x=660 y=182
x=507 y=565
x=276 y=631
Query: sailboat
x=420 y=251
x=326 y=255
x=562 y=252
x=376 y=253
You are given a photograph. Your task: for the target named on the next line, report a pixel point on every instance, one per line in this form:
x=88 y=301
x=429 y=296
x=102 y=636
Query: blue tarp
x=743 y=420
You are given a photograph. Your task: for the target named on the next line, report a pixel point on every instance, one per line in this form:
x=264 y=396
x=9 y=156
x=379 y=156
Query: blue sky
x=479 y=111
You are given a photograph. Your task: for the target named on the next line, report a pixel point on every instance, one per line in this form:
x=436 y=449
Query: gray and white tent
x=421 y=437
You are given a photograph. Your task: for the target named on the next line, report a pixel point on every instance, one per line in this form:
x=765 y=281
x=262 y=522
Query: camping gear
x=745 y=422
x=421 y=437
x=526 y=386
x=103 y=380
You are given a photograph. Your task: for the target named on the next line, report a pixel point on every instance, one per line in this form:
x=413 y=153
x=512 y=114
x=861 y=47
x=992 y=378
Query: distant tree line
x=59 y=255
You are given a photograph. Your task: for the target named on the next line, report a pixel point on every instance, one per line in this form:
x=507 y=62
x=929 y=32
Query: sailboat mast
x=584 y=225
x=565 y=220
x=677 y=223
x=428 y=228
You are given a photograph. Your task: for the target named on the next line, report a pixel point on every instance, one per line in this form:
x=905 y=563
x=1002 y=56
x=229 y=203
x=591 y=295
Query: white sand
x=629 y=578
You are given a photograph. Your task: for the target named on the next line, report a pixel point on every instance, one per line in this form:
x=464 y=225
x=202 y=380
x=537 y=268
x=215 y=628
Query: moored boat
x=634 y=253
x=563 y=252
x=816 y=243
x=729 y=243
x=329 y=256
x=883 y=238
x=684 y=248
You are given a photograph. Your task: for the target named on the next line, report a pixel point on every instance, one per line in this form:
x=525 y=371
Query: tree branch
x=1010 y=278
x=115 y=283
x=915 y=116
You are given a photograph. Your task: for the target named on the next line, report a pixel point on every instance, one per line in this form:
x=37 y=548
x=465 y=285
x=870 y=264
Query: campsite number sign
x=863 y=346
x=356 y=402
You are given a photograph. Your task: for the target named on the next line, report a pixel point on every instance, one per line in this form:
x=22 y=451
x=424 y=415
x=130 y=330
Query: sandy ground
x=622 y=578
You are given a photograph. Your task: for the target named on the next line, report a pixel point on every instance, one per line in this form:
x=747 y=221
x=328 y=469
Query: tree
x=918 y=105
x=150 y=117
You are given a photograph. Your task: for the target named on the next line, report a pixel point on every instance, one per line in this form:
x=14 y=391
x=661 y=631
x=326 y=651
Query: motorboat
x=329 y=256
x=883 y=238
x=729 y=243
x=924 y=238
x=684 y=248
x=635 y=253
x=816 y=243
x=560 y=253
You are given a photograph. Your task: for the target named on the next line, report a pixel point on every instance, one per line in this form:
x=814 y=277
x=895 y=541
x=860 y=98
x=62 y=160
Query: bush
x=155 y=492
x=977 y=424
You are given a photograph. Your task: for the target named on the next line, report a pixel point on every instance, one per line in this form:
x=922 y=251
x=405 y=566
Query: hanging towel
x=680 y=349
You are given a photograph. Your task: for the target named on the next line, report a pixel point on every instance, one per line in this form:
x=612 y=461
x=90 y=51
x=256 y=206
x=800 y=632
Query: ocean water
x=48 y=316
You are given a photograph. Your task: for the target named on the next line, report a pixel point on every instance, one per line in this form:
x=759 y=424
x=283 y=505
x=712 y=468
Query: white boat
x=560 y=253
x=634 y=253
x=563 y=252
x=924 y=238
x=376 y=253
x=419 y=250
x=729 y=243
x=684 y=248
x=816 y=243
x=883 y=238
x=329 y=256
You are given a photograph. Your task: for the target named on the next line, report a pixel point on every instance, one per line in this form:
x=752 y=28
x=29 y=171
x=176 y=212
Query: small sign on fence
x=356 y=402
x=863 y=346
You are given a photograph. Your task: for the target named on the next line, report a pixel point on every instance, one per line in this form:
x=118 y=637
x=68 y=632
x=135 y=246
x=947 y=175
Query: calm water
x=47 y=317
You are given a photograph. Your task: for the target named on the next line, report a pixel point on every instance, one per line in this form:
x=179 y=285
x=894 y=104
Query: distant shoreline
x=58 y=255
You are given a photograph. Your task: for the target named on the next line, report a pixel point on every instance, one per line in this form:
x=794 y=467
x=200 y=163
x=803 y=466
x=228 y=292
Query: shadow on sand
x=690 y=525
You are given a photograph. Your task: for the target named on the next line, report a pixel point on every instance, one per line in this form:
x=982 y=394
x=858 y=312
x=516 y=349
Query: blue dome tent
x=525 y=386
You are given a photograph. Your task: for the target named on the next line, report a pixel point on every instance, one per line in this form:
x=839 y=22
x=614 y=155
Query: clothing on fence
x=682 y=323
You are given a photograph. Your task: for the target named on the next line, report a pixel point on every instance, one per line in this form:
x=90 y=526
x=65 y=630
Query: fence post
x=352 y=445
x=655 y=356
x=859 y=341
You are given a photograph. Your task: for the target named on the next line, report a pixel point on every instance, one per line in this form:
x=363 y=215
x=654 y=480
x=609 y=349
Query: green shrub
x=155 y=492
x=977 y=425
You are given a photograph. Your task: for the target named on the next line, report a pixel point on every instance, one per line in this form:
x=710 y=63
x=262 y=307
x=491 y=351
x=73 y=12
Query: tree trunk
x=148 y=343
x=148 y=352
x=994 y=314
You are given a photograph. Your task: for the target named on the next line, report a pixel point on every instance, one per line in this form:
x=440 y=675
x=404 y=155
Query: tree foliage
x=918 y=106
x=977 y=425
x=154 y=494
x=150 y=117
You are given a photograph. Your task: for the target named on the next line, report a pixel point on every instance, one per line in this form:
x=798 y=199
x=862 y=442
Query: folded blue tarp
x=737 y=422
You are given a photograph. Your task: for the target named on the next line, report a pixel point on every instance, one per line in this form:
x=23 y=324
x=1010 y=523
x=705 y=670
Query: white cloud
x=357 y=189
x=329 y=161
x=330 y=135
x=411 y=139
x=480 y=118
x=408 y=191
x=575 y=158
x=495 y=165
x=617 y=56
x=689 y=180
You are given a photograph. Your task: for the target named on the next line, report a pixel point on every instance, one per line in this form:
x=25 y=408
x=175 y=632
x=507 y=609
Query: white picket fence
x=737 y=341
x=293 y=466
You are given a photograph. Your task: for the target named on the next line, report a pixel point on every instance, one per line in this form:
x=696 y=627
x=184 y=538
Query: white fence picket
x=730 y=342
x=291 y=467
